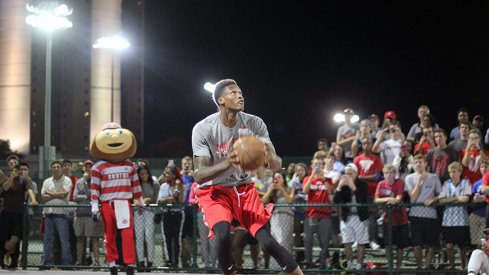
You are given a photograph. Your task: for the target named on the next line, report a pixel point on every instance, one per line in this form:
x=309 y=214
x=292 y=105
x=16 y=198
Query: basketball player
x=226 y=192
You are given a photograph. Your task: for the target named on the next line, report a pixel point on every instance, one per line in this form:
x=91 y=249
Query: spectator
x=171 y=191
x=322 y=145
x=439 y=157
x=24 y=171
x=188 y=225
x=417 y=128
x=12 y=219
x=390 y=148
x=455 y=223
x=282 y=221
x=477 y=219
x=262 y=181
x=471 y=156
x=299 y=212
x=426 y=142
x=83 y=224
x=67 y=171
x=208 y=246
x=144 y=226
x=145 y=162
x=339 y=154
x=290 y=172
x=457 y=145
x=374 y=125
x=478 y=122
x=462 y=117
x=346 y=134
x=55 y=191
x=12 y=161
x=354 y=226
x=390 y=191
x=404 y=161
x=369 y=168
x=423 y=187
x=363 y=132
x=479 y=259
x=335 y=176
x=318 y=218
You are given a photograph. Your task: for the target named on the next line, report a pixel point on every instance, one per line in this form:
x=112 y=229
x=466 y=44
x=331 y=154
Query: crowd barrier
x=251 y=258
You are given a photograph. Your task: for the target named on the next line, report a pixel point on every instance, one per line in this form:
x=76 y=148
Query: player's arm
x=273 y=160
x=204 y=173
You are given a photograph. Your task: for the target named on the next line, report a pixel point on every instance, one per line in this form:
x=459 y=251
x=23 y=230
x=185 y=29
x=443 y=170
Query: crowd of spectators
x=365 y=171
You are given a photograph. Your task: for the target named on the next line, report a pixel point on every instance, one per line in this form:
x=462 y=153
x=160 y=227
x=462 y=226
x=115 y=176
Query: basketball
x=250 y=152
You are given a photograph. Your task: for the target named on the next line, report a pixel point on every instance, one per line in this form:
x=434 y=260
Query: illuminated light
x=354 y=119
x=339 y=118
x=115 y=42
x=209 y=87
x=49 y=17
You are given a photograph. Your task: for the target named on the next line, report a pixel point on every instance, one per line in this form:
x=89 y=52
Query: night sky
x=299 y=62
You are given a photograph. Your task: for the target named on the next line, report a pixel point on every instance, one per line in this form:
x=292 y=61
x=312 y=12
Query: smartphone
x=317 y=166
x=483 y=241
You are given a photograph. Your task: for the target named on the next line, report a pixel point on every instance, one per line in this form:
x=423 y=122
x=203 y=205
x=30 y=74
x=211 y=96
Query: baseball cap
x=390 y=114
x=88 y=162
x=479 y=117
x=352 y=166
x=348 y=111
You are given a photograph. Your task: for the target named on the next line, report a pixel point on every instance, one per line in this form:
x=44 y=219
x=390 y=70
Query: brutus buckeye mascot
x=115 y=185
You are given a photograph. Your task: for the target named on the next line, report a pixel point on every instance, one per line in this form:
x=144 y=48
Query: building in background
x=81 y=75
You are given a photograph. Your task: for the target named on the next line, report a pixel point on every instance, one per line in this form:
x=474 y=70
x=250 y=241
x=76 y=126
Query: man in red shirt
x=390 y=192
x=369 y=168
x=318 y=218
x=472 y=160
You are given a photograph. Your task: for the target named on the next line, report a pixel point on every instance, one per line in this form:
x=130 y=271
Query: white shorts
x=353 y=230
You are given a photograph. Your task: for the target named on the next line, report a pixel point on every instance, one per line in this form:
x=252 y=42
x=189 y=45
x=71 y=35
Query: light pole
x=48 y=17
x=114 y=43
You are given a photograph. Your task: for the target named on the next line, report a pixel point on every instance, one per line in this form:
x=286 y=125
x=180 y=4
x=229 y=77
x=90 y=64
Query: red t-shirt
x=472 y=171
x=318 y=193
x=425 y=147
x=385 y=190
x=73 y=179
x=369 y=165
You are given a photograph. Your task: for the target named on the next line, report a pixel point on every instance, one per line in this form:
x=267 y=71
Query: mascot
x=115 y=185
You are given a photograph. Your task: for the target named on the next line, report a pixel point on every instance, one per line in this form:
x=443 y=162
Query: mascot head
x=113 y=143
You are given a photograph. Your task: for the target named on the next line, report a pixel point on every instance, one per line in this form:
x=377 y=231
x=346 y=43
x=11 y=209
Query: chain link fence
x=175 y=239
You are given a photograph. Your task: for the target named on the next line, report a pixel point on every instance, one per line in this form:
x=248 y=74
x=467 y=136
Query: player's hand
x=233 y=158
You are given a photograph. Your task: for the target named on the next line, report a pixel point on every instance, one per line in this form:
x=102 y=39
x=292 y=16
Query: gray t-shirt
x=344 y=132
x=210 y=138
x=431 y=188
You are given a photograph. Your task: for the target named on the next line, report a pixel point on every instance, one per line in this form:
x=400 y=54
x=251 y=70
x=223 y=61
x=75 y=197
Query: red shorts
x=220 y=203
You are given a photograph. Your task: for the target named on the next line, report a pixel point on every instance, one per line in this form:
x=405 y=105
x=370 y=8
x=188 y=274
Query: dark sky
x=299 y=62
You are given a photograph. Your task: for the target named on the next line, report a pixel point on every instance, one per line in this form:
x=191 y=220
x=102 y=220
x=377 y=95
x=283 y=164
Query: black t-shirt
x=14 y=197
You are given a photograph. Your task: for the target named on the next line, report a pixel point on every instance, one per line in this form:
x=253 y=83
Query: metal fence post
x=25 y=238
x=389 y=239
x=194 y=237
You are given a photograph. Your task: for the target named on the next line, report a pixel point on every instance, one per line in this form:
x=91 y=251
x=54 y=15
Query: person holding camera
x=388 y=149
x=318 y=218
x=171 y=192
x=426 y=142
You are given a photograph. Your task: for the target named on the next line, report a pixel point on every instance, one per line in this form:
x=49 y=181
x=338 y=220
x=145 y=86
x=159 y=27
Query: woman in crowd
x=171 y=192
x=144 y=225
x=282 y=221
